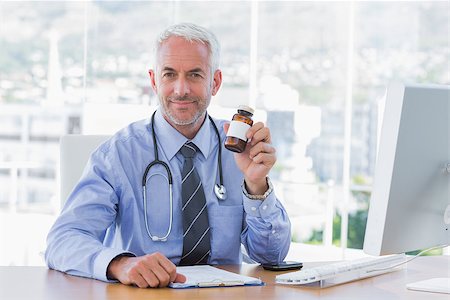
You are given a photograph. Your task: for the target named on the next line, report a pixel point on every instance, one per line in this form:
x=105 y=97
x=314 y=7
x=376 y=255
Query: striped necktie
x=196 y=230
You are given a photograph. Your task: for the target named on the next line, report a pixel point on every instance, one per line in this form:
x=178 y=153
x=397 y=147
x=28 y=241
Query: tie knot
x=188 y=149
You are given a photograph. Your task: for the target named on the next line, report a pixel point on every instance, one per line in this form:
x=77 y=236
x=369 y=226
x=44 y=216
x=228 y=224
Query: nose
x=181 y=87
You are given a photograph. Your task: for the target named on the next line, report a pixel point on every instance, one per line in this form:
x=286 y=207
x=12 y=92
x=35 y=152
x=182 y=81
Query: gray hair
x=193 y=33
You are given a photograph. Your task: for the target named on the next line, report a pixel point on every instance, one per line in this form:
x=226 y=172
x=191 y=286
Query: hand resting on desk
x=151 y=270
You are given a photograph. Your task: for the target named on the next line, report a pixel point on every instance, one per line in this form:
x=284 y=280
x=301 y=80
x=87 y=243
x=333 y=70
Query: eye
x=196 y=75
x=168 y=75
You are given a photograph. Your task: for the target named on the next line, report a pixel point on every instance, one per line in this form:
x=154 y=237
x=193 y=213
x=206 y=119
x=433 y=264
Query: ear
x=217 y=82
x=152 y=74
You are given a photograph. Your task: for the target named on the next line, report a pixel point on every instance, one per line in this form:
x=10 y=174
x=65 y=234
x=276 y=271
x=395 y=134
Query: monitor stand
x=434 y=285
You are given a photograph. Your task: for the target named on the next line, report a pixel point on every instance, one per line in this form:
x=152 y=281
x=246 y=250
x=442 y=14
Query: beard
x=202 y=106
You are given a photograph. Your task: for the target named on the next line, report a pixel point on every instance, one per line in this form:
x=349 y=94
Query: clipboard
x=207 y=276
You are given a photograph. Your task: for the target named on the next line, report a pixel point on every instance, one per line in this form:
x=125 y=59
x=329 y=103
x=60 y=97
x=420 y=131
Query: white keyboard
x=341 y=272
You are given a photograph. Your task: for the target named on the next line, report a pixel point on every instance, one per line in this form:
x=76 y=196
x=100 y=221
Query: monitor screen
x=410 y=203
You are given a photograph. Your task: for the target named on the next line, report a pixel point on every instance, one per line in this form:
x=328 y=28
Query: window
x=315 y=71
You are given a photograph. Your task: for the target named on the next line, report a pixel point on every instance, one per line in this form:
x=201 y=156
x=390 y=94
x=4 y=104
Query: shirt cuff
x=260 y=208
x=103 y=260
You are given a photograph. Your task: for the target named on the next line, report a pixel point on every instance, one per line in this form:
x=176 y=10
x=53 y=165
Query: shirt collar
x=170 y=140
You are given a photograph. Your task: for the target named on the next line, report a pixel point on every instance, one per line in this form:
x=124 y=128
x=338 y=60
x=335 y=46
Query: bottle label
x=238 y=129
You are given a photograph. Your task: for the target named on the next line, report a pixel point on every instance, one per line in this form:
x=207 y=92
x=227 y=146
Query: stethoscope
x=219 y=189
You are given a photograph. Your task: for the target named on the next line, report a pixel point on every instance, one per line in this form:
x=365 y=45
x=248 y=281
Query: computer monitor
x=410 y=204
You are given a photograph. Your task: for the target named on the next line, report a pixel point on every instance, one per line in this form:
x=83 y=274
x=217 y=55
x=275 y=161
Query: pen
x=220 y=283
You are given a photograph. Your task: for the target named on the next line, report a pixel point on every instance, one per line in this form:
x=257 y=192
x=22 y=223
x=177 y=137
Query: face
x=183 y=81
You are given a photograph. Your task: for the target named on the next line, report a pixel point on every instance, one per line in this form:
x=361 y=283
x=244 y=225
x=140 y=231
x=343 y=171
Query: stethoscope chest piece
x=221 y=191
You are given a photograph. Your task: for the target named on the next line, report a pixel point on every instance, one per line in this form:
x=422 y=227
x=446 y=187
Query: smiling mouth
x=182 y=103
x=185 y=105
x=182 y=100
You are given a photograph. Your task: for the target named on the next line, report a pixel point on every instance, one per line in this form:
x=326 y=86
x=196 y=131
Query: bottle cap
x=246 y=108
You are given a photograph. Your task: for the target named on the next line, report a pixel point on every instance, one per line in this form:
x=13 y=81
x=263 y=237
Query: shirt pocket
x=226 y=227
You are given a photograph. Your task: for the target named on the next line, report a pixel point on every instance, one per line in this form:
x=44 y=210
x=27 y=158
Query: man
x=110 y=229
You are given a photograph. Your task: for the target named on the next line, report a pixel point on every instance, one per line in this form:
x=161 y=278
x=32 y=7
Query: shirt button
x=253 y=208
x=265 y=207
x=273 y=231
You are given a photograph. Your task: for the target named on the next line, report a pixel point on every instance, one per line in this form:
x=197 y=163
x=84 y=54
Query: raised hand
x=257 y=159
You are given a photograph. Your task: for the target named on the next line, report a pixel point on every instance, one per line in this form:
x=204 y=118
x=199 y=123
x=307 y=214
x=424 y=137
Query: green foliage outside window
x=356 y=230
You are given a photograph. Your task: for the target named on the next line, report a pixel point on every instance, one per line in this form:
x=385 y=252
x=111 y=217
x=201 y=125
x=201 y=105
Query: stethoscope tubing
x=219 y=189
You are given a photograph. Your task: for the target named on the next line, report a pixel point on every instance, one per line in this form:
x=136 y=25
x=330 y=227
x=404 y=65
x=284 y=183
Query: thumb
x=225 y=127
x=180 y=278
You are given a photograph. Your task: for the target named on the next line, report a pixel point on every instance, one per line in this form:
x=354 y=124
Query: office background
x=315 y=71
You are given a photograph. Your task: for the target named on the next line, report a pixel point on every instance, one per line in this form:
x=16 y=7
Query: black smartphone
x=283 y=266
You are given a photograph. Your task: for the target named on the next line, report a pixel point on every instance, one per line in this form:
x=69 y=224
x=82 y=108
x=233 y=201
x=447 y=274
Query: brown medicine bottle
x=236 y=135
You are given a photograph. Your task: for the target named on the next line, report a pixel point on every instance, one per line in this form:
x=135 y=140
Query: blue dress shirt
x=104 y=215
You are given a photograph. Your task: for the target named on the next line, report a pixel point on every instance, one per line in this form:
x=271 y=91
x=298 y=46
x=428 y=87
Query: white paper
x=207 y=276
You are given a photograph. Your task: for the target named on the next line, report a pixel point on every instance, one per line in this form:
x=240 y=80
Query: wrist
x=256 y=187
x=115 y=265
x=260 y=191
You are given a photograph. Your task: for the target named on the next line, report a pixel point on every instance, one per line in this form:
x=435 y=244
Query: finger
x=261 y=147
x=168 y=266
x=151 y=277
x=162 y=275
x=262 y=134
x=137 y=279
x=225 y=127
x=252 y=130
x=180 y=278
x=266 y=159
x=147 y=274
